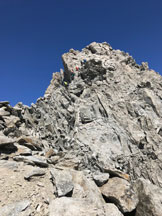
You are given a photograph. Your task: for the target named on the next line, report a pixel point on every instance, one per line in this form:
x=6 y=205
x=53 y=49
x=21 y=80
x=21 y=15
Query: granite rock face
x=98 y=124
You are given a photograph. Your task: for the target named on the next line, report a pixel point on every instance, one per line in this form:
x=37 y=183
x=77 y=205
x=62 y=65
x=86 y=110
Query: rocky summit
x=92 y=146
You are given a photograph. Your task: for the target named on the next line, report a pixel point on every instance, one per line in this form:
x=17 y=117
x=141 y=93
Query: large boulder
x=150 y=199
x=75 y=184
x=120 y=192
x=66 y=206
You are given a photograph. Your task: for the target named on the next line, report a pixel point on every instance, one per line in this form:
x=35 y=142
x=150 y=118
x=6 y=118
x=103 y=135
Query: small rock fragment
x=101 y=178
x=35 y=172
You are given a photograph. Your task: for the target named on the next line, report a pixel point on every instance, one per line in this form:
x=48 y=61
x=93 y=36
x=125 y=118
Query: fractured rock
x=30 y=142
x=7 y=144
x=150 y=199
x=63 y=182
x=120 y=192
x=101 y=178
x=34 y=172
x=68 y=206
x=112 y=210
x=32 y=160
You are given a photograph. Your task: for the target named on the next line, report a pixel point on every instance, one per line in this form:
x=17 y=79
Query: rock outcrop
x=90 y=146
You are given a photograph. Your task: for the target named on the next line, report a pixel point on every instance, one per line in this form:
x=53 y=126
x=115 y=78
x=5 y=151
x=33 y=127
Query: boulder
x=34 y=172
x=63 y=182
x=120 y=192
x=75 y=184
x=150 y=199
x=32 y=160
x=31 y=142
x=111 y=210
x=79 y=207
x=7 y=144
x=100 y=178
x=3 y=112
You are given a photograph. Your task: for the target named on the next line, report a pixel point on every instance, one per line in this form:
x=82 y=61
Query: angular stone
x=111 y=210
x=4 y=103
x=75 y=207
x=7 y=144
x=101 y=178
x=120 y=192
x=22 y=150
x=31 y=142
x=63 y=182
x=150 y=199
x=11 y=121
x=3 y=112
x=33 y=160
x=9 y=164
x=34 y=172
x=5 y=140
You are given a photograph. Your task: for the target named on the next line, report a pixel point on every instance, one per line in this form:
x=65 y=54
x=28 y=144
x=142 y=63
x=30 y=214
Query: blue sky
x=35 y=33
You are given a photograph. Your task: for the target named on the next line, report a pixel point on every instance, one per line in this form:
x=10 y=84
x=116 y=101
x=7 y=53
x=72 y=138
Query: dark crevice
x=8 y=149
x=132 y=213
x=114 y=201
x=69 y=194
x=107 y=200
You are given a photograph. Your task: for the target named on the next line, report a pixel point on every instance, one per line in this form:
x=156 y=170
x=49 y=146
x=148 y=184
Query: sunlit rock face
x=100 y=121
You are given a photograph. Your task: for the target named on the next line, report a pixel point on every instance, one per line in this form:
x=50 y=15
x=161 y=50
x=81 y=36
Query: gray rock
x=9 y=164
x=150 y=199
x=22 y=150
x=33 y=160
x=106 y=119
x=101 y=178
x=112 y=210
x=73 y=207
x=73 y=183
x=5 y=140
x=14 y=209
x=30 y=142
x=4 y=103
x=120 y=192
x=63 y=182
x=11 y=121
x=3 y=112
x=34 y=172
x=7 y=144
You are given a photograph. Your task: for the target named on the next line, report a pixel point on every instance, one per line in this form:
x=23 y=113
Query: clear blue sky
x=35 y=33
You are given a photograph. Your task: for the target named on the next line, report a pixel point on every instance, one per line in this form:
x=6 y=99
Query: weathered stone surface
x=7 y=145
x=63 y=182
x=5 y=140
x=22 y=150
x=150 y=199
x=14 y=209
x=31 y=142
x=9 y=164
x=34 y=172
x=111 y=210
x=100 y=178
x=75 y=184
x=11 y=121
x=120 y=192
x=33 y=160
x=4 y=103
x=3 y=112
x=74 y=207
